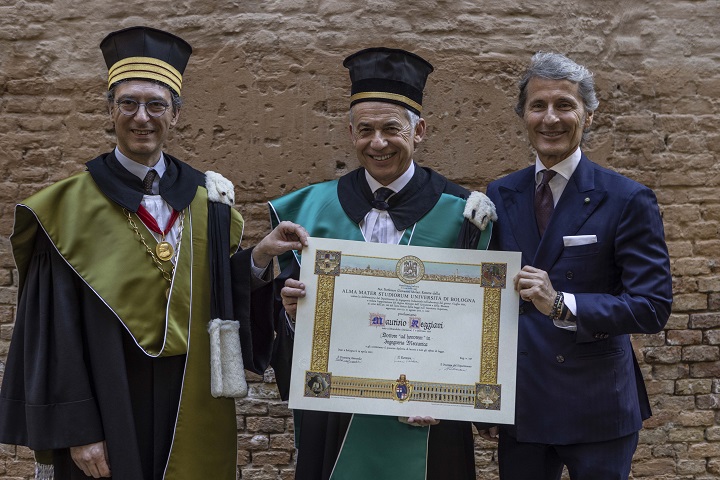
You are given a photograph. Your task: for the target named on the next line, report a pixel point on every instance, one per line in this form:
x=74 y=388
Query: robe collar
x=177 y=186
x=407 y=206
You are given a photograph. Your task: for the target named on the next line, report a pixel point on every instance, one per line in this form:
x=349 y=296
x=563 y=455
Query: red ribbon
x=151 y=223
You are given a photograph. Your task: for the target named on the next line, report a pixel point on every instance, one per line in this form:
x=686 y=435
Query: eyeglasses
x=129 y=107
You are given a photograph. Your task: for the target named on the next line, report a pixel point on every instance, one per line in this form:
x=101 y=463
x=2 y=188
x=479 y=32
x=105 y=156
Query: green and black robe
x=99 y=352
x=430 y=211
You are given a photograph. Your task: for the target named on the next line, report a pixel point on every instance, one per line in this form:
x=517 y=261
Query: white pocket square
x=575 y=240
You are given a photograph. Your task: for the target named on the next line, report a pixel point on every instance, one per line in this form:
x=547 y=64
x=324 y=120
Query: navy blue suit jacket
x=585 y=386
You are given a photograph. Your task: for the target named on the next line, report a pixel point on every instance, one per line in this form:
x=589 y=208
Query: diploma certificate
x=406 y=331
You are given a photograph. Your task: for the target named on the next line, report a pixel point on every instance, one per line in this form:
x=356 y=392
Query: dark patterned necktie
x=148 y=182
x=379 y=235
x=381 y=196
x=544 y=201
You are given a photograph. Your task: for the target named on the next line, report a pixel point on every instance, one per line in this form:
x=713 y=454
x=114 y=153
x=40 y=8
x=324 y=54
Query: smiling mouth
x=381 y=157
x=552 y=134
x=142 y=132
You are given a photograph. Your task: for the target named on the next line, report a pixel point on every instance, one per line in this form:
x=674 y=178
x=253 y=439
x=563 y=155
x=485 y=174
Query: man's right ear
x=350 y=131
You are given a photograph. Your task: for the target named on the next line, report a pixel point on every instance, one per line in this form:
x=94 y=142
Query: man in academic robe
x=595 y=270
x=389 y=199
x=133 y=320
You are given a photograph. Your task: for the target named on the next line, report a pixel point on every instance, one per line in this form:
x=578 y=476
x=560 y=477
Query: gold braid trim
x=145 y=67
x=387 y=96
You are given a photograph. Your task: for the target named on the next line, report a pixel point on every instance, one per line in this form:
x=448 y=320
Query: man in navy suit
x=595 y=270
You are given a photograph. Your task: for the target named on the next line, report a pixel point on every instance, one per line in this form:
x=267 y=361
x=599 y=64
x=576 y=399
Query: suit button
x=560 y=359
x=569 y=275
x=521 y=310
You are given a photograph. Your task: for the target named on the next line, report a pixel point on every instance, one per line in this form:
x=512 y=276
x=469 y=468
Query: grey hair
x=176 y=100
x=413 y=118
x=555 y=66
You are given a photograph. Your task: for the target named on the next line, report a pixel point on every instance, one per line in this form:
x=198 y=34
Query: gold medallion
x=164 y=251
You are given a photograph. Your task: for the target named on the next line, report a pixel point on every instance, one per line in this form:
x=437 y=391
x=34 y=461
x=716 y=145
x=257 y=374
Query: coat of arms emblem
x=327 y=262
x=410 y=269
x=402 y=389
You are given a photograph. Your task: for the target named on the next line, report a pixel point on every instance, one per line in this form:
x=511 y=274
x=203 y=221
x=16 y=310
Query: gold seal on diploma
x=402 y=389
x=410 y=269
x=164 y=251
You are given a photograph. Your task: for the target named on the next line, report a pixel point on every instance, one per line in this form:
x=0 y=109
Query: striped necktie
x=544 y=201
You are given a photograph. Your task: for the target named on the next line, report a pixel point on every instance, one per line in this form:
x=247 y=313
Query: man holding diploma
x=596 y=269
x=390 y=199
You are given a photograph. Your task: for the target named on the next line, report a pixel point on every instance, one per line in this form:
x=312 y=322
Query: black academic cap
x=146 y=53
x=388 y=75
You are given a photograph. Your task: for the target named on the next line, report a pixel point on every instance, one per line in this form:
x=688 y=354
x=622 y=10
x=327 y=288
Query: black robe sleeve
x=232 y=295
x=253 y=309
x=284 y=337
x=47 y=400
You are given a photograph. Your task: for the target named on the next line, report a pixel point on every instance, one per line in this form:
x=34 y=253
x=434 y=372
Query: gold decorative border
x=323 y=323
x=491 y=336
x=327 y=267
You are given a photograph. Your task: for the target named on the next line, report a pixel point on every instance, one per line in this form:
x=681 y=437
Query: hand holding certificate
x=402 y=330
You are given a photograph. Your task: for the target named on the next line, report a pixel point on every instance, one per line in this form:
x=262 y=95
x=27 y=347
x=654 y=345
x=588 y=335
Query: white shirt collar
x=397 y=185
x=138 y=169
x=565 y=168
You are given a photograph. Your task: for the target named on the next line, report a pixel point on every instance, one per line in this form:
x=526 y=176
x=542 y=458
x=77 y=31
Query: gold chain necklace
x=166 y=275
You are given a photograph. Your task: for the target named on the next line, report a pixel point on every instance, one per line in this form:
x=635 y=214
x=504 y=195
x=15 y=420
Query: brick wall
x=266 y=101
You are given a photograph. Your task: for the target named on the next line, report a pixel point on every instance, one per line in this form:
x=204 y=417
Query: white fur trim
x=227 y=373
x=219 y=188
x=44 y=471
x=480 y=210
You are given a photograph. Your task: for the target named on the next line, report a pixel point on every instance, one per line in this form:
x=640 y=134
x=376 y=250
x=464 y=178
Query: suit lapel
x=518 y=202
x=579 y=200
